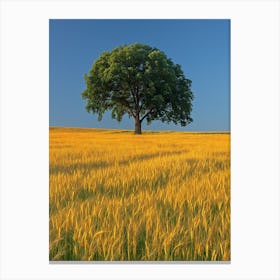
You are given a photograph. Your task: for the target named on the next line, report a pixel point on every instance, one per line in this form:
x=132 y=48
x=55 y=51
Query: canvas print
x=139 y=140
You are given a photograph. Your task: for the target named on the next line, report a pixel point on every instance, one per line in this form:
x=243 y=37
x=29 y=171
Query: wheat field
x=159 y=196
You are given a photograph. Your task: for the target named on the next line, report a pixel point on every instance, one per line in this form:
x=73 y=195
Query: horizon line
x=102 y=128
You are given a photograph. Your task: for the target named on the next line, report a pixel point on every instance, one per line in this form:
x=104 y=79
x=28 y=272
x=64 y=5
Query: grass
x=156 y=196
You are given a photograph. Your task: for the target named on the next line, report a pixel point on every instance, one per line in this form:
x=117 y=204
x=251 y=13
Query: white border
x=254 y=128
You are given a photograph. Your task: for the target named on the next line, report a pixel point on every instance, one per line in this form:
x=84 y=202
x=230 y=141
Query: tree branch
x=131 y=112
x=123 y=102
x=146 y=114
x=132 y=92
x=134 y=97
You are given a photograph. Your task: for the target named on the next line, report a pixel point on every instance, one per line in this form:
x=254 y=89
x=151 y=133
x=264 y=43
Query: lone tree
x=140 y=81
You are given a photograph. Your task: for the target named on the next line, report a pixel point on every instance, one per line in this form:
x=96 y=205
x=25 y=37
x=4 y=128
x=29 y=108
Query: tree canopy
x=140 y=81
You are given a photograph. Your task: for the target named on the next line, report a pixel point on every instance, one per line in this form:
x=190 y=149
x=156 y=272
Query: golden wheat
x=156 y=196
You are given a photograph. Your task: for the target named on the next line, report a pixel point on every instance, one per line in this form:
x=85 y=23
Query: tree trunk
x=137 y=126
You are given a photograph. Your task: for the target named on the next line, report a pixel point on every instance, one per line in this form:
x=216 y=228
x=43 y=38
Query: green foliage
x=141 y=81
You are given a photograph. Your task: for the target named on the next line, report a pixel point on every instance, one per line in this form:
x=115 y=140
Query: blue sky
x=201 y=47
